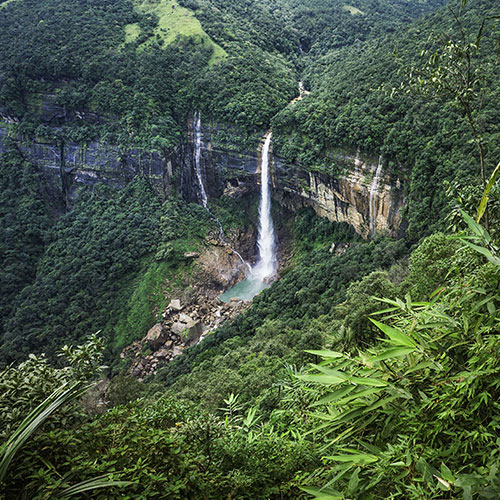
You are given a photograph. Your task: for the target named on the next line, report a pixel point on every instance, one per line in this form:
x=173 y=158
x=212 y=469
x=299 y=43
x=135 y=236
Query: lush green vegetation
x=370 y=370
x=23 y=228
x=104 y=266
x=367 y=419
x=425 y=138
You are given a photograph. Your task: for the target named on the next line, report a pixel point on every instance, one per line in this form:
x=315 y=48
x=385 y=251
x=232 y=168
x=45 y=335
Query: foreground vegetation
x=402 y=405
x=370 y=370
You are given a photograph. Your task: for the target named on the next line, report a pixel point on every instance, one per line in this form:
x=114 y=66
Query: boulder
x=193 y=332
x=178 y=328
x=177 y=351
x=175 y=305
x=163 y=353
x=191 y=255
x=184 y=318
x=156 y=336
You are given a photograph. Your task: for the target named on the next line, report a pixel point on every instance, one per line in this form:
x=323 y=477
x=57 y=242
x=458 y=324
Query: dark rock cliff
x=357 y=197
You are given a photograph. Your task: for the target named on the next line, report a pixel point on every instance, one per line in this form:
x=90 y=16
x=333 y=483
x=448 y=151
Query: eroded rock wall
x=342 y=198
x=345 y=198
x=66 y=167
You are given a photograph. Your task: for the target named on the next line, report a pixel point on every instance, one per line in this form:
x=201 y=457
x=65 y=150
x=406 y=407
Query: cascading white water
x=260 y=275
x=373 y=197
x=203 y=193
x=267 y=264
x=197 y=157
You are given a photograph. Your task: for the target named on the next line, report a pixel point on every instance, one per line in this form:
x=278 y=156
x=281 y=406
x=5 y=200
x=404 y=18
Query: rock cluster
x=181 y=327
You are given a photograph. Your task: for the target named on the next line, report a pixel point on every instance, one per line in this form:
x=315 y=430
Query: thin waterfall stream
x=373 y=197
x=203 y=193
x=263 y=271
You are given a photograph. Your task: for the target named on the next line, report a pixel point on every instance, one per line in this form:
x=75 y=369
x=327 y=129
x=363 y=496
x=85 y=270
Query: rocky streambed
x=182 y=326
x=194 y=308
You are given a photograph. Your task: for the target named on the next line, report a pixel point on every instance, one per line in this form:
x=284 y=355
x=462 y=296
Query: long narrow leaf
x=34 y=420
x=392 y=352
x=92 y=484
x=487 y=189
x=397 y=337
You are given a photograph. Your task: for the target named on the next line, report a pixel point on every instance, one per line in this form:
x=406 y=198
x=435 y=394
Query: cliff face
x=66 y=167
x=223 y=170
x=359 y=197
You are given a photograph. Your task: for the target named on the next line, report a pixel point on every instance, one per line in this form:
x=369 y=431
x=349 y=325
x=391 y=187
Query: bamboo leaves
x=484 y=200
x=396 y=336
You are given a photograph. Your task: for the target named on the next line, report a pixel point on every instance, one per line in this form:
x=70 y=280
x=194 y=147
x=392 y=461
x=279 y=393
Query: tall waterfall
x=373 y=197
x=267 y=263
x=266 y=266
x=197 y=157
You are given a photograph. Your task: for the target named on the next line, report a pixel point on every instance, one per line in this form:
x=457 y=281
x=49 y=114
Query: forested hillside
x=357 y=101
x=134 y=139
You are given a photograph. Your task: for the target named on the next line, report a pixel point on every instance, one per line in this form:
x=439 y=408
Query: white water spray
x=373 y=197
x=197 y=157
x=267 y=263
x=260 y=275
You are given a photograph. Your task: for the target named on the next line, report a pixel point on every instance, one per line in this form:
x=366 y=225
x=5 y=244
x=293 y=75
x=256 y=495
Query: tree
x=454 y=71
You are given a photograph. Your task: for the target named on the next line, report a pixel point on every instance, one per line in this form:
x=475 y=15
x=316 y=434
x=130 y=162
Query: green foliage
x=248 y=356
x=144 y=305
x=465 y=198
x=423 y=141
x=24 y=225
x=430 y=264
x=486 y=194
x=98 y=272
x=360 y=303
x=416 y=414
x=123 y=389
x=27 y=385
x=91 y=247
x=33 y=421
x=165 y=449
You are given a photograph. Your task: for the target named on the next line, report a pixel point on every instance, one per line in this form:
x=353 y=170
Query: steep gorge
x=65 y=168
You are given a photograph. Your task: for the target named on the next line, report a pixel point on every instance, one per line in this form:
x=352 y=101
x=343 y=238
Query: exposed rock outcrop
x=345 y=198
x=65 y=167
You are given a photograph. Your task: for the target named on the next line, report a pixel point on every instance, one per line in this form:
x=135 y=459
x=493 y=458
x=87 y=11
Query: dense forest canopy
x=369 y=369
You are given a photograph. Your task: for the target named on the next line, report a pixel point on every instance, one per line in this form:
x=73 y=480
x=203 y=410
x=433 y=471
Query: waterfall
x=373 y=197
x=197 y=157
x=266 y=266
x=203 y=193
x=267 y=263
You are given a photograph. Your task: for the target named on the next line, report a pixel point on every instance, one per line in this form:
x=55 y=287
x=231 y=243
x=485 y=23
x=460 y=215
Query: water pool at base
x=245 y=290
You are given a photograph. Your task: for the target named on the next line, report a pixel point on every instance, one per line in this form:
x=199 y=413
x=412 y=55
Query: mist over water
x=263 y=271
